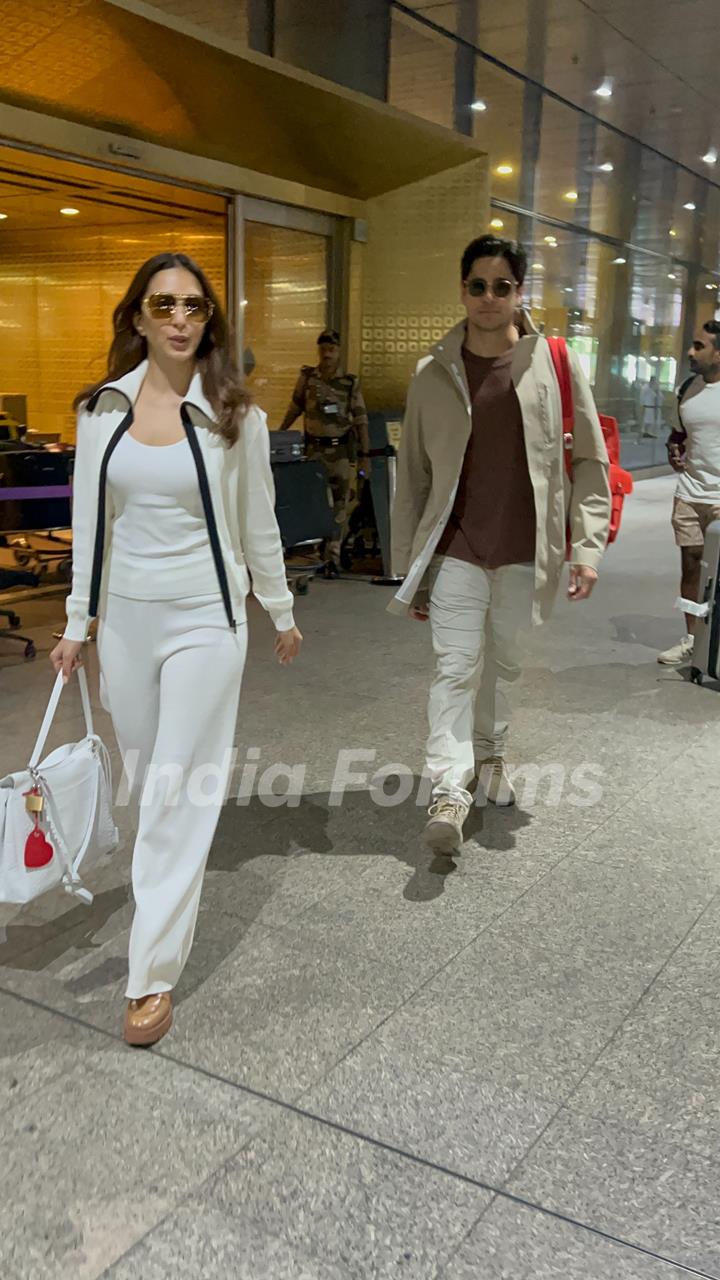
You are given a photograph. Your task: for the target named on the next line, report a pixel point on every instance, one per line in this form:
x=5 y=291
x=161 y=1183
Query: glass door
x=287 y=257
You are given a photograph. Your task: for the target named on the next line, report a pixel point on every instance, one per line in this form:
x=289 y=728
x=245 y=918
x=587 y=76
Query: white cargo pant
x=170 y=678
x=476 y=616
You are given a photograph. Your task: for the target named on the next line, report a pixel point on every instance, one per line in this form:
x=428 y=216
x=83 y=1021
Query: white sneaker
x=494 y=778
x=680 y=654
x=444 y=831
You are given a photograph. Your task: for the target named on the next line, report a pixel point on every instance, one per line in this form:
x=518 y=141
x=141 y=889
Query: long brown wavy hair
x=221 y=381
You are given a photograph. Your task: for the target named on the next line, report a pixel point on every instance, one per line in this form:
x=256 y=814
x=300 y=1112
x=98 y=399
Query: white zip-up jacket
x=237 y=491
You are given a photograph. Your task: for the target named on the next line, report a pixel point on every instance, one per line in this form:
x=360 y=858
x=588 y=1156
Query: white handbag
x=66 y=800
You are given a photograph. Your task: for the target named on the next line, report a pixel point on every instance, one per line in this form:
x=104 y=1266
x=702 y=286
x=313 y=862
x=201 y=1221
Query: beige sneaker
x=494 y=778
x=444 y=831
x=680 y=654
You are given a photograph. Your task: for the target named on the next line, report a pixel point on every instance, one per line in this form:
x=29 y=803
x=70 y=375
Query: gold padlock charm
x=33 y=801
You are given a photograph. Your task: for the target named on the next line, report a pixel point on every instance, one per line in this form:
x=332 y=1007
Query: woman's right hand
x=66 y=657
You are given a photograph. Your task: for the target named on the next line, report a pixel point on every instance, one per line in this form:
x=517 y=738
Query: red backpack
x=621 y=482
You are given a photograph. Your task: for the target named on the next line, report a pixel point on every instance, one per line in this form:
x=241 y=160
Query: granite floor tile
x=533 y=1001
x=36 y=1046
x=342 y=1207
x=204 y=1246
x=662 y=1197
x=440 y=1108
x=660 y=1076
x=278 y=1015
x=514 y=1243
x=100 y=1154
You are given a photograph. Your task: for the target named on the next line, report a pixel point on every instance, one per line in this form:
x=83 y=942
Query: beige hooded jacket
x=436 y=433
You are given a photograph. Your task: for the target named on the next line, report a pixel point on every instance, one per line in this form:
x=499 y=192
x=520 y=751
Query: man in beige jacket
x=480 y=519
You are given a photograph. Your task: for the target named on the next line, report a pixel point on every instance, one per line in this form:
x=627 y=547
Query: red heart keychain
x=38 y=850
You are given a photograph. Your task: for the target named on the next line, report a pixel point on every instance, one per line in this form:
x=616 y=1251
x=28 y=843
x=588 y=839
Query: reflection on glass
x=628 y=308
x=286 y=305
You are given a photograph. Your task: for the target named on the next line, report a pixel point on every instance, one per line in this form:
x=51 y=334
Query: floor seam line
x=615 y=1033
x=377 y=1143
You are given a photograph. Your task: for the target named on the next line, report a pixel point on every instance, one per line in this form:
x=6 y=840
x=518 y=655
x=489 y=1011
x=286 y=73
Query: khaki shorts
x=690 y=521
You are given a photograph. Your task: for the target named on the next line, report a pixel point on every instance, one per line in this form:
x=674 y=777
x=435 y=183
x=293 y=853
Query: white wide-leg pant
x=476 y=616
x=170 y=677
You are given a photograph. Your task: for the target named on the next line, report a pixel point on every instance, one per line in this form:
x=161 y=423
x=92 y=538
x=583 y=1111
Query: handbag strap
x=52 y=707
x=561 y=363
x=72 y=882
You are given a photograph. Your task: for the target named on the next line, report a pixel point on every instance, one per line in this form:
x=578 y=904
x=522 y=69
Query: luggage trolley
x=303 y=512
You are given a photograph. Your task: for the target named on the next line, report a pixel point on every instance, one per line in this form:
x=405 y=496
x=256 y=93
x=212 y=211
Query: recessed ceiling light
x=3 y=216
x=605 y=90
x=537 y=266
x=497 y=224
x=504 y=170
x=569 y=289
x=551 y=240
x=711 y=286
x=711 y=156
x=607 y=167
x=570 y=195
x=671 y=275
x=479 y=105
x=69 y=213
x=619 y=262
x=690 y=206
x=672 y=232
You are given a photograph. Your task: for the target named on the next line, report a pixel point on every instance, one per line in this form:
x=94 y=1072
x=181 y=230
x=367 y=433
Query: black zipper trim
x=209 y=514
x=101 y=509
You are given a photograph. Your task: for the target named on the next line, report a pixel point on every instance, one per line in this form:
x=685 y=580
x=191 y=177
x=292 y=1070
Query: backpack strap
x=681 y=394
x=561 y=364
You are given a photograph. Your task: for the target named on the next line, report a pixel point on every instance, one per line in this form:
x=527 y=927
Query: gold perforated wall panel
x=286 y=292
x=58 y=290
x=411 y=273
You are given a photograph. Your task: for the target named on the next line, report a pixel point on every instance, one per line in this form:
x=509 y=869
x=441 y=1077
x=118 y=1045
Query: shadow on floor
x=621 y=689
x=357 y=828
x=34 y=947
x=654 y=633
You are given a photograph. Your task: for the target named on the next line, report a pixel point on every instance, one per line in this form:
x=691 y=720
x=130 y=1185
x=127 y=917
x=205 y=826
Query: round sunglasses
x=195 y=306
x=477 y=288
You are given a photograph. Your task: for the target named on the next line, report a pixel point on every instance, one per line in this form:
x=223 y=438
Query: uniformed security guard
x=336 y=432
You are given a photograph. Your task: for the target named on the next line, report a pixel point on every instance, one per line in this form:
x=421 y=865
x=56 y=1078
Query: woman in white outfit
x=173 y=504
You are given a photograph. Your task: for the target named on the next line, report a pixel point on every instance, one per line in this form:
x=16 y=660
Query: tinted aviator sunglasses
x=195 y=306
x=477 y=288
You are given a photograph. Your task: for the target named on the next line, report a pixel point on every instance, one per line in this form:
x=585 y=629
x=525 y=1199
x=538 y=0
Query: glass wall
x=624 y=245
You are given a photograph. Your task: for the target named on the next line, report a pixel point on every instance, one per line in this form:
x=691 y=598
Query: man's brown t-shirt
x=493 y=519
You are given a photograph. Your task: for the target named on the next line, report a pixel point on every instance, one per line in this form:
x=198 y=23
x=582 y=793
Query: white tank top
x=700 y=416
x=159 y=548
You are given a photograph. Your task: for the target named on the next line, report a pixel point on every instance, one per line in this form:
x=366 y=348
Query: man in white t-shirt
x=694 y=452
x=651 y=399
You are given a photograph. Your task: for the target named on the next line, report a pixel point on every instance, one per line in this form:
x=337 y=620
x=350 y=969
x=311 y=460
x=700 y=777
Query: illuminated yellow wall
x=411 y=273
x=58 y=289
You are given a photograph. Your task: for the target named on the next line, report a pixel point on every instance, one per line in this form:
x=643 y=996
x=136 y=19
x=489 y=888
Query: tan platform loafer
x=147 y=1020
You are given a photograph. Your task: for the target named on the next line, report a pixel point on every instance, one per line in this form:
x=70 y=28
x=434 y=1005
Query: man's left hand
x=582 y=581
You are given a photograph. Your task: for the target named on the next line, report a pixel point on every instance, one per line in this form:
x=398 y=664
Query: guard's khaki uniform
x=336 y=430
